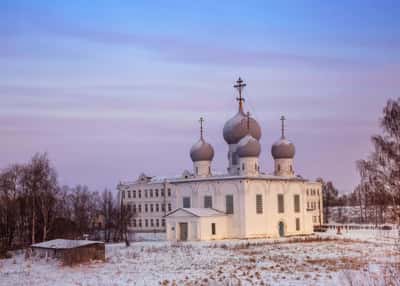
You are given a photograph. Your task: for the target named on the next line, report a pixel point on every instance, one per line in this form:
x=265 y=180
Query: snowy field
x=363 y=257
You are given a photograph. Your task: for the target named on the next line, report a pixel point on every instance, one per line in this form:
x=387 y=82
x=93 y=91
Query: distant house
x=70 y=251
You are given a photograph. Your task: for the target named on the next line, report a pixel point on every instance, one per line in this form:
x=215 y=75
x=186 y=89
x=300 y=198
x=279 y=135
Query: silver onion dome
x=248 y=146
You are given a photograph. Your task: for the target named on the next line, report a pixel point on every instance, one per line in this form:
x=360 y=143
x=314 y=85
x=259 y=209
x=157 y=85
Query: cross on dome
x=240 y=86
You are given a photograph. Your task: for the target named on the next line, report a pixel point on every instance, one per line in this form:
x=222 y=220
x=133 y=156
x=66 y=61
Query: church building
x=244 y=202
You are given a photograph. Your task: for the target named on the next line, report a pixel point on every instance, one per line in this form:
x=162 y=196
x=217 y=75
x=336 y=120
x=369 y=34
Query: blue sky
x=111 y=89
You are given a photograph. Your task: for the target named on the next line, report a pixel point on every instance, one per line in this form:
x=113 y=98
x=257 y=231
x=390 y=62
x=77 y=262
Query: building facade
x=244 y=202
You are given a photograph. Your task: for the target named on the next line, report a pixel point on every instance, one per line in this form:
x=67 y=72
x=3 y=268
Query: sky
x=111 y=89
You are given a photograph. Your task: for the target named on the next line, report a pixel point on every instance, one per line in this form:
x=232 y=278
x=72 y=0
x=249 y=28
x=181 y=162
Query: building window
x=145 y=193
x=140 y=208
x=129 y=194
x=186 y=202
x=229 y=204
x=163 y=207
x=156 y=191
x=297 y=224
x=296 y=203
x=169 y=192
x=146 y=222
x=242 y=166
x=134 y=208
x=208 y=201
x=140 y=194
x=255 y=167
x=151 y=193
x=123 y=194
x=291 y=168
x=157 y=222
x=140 y=223
x=157 y=208
x=197 y=170
x=163 y=222
x=162 y=193
x=134 y=222
x=259 y=204
x=213 y=230
x=151 y=208
x=169 y=207
x=281 y=205
x=308 y=193
x=129 y=208
x=152 y=223
x=146 y=208
x=279 y=167
x=134 y=194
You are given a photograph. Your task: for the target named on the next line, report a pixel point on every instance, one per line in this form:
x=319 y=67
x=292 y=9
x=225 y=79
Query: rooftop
x=64 y=243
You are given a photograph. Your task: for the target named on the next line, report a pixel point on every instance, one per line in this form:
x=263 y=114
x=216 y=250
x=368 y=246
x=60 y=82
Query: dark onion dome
x=248 y=146
x=283 y=149
x=202 y=151
x=236 y=128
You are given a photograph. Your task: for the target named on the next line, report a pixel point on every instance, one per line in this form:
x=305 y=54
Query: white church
x=244 y=202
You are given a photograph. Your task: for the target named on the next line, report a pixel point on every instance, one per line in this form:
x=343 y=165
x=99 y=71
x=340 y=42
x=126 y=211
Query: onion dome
x=236 y=128
x=248 y=146
x=283 y=148
x=201 y=151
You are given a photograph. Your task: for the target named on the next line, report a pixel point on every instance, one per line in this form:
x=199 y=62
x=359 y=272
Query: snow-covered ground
x=363 y=257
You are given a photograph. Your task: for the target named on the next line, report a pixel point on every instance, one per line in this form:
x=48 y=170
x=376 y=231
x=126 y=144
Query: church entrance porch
x=281 y=229
x=183 y=230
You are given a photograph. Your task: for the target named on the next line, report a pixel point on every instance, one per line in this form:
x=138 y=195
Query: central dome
x=236 y=128
x=248 y=146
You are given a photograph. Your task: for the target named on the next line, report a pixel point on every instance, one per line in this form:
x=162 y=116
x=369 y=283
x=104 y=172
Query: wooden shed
x=70 y=251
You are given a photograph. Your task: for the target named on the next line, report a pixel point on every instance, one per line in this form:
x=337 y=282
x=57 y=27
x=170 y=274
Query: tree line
x=35 y=208
x=377 y=196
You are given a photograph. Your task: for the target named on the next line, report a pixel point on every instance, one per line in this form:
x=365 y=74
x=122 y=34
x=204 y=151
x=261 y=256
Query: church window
x=123 y=194
x=307 y=192
x=208 y=201
x=146 y=222
x=297 y=224
x=169 y=192
x=281 y=205
x=140 y=223
x=259 y=204
x=129 y=194
x=319 y=205
x=169 y=207
x=145 y=208
x=163 y=222
x=197 y=170
x=151 y=193
x=156 y=191
x=296 y=203
x=255 y=167
x=209 y=170
x=229 y=204
x=234 y=158
x=186 y=202
x=242 y=166
x=157 y=222
x=213 y=228
x=139 y=194
x=151 y=208
x=279 y=167
x=157 y=208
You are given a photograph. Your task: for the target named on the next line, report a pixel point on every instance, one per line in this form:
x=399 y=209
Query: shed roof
x=199 y=212
x=64 y=243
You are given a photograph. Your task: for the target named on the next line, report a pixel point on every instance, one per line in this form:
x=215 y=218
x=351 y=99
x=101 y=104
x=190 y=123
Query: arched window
x=279 y=167
x=242 y=166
